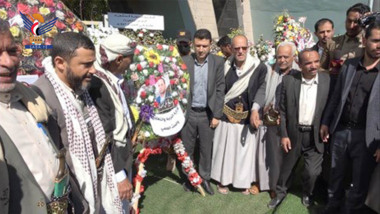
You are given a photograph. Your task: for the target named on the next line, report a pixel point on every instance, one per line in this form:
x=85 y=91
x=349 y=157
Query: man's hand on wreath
x=125 y=189
x=214 y=123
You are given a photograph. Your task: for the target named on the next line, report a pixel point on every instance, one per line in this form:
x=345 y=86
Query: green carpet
x=164 y=194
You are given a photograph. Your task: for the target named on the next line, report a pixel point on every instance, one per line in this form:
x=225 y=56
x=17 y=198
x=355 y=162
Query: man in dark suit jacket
x=205 y=102
x=303 y=99
x=352 y=120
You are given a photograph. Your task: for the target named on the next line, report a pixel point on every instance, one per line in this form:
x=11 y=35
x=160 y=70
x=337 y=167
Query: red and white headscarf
x=80 y=147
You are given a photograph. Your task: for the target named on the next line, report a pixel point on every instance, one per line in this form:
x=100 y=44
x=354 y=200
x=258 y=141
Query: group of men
x=66 y=140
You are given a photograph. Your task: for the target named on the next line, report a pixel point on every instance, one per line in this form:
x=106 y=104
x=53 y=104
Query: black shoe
x=275 y=202
x=207 y=187
x=187 y=187
x=307 y=200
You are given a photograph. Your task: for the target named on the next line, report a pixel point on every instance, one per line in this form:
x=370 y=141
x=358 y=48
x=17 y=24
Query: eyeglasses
x=244 y=48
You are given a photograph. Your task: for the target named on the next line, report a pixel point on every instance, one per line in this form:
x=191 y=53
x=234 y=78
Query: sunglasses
x=244 y=48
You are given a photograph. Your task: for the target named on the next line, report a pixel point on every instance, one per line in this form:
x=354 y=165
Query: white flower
x=174 y=60
x=165 y=47
x=32 y=2
x=144 y=30
x=263 y=58
x=138 y=100
x=140 y=35
x=132 y=67
x=174 y=94
x=167 y=59
x=145 y=72
x=151 y=35
x=147 y=134
x=141 y=58
x=143 y=173
x=171 y=73
x=151 y=98
x=184 y=101
x=144 y=64
x=140 y=48
x=155 y=72
x=16 y=20
x=302 y=19
x=179 y=87
x=60 y=15
x=180 y=73
x=184 y=86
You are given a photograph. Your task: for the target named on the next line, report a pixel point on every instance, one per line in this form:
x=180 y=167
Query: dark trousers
x=349 y=147
x=198 y=123
x=274 y=154
x=312 y=165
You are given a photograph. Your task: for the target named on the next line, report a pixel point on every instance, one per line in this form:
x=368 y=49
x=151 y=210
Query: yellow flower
x=53 y=32
x=44 y=11
x=135 y=112
x=3 y=14
x=175 y=52
x=152 y=56
x=290 y=27
x=220 y=54
x=280 y=18
x=27 y=52
x=15 y=31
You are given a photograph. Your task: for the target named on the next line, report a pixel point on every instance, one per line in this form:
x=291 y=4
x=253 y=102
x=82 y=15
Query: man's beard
x=7 y=87
x=76 y=82
x=184 y=50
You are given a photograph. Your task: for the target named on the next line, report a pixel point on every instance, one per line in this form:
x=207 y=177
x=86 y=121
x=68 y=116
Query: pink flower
x=34 y=10
x=60 y=25
x=160 y=68
x=5 y=4
x=48 y=41
x=60 y=5
x=52 y=9
x=11 y=13
x=159 y=47
x=23 y=8
x=152 y=80
x=49 y=3
x=143 y=94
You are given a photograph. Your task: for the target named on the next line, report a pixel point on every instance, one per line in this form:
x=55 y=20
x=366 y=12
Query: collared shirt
x=308 y=100
x=31 y=141
x=355 y=108
x=200 y=84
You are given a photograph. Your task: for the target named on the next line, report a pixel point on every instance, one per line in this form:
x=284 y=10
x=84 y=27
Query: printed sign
x=37 y=26
x=169 y=123
x=136 y=21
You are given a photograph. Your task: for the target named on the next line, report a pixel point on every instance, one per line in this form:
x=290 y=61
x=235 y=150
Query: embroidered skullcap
x=115 y=45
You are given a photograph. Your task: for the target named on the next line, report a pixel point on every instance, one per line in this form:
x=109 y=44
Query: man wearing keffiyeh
x=113 y=57
x=77 y=125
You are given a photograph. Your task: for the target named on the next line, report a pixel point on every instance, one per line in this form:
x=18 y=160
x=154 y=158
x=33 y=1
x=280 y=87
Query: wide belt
x=234 y=116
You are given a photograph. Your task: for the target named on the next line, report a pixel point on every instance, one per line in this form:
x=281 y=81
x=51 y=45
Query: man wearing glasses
x=234 y=159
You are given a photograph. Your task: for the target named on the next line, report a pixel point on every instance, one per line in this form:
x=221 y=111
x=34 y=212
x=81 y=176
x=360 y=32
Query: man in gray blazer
x=303 y=100
x=352 y=119
x=205 y=103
